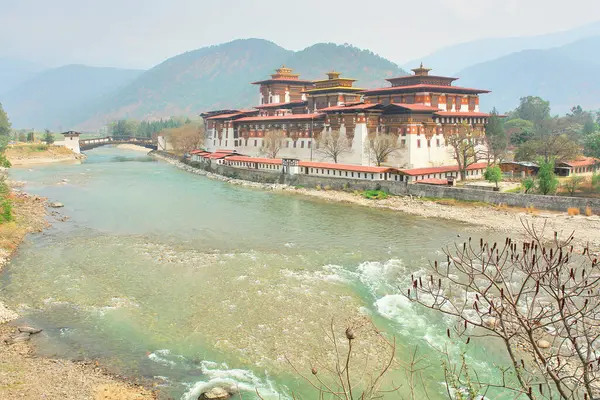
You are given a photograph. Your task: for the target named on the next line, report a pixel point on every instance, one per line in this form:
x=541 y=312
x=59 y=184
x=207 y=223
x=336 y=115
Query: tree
x=532 y=108
x=596 y=181
x=381 y=146
x=465 y=148
x=573 y=183
x=22 y=137
x=496 y=139
x=48 y=137
x=551 y=140
x=31 y=137
x=519 y=130
x=547 y=182
x=186 y=138
x=333 y=144
x=123 y=128
x=5 y=125
x=273 y=142
x=528 y=184
x=493 y=173
x=538 y=294
x=591 y=145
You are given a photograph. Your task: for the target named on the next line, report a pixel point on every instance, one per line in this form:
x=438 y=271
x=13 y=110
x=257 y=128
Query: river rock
x=216 y=393
x=29 y=329
x=543 y=344
x=56 y=204
x=21 y=337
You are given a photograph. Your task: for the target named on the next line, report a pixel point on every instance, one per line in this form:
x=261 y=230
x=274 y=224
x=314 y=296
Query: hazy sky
x=142 y=33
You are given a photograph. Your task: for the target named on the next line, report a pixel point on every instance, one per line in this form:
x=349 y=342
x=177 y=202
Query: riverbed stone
x=21 y=337
x=29 y=329
x=216 y=393
x=56 y=204
x=543 y=344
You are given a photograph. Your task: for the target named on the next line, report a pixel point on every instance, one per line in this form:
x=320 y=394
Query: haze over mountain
x=14 y=72
x=566 y=76
x=449 y=60
x=220 y=76
x=42 y=101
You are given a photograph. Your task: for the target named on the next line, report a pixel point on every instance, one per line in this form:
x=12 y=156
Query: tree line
x=143 y=129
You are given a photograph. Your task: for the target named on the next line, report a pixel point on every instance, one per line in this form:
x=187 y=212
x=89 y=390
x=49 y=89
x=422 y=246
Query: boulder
x=216 y=393
x=29 y=329
x=21 y=337
x=543 y=344
x=56 y=204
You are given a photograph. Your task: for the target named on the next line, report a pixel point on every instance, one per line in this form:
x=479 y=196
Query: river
x=193 y=282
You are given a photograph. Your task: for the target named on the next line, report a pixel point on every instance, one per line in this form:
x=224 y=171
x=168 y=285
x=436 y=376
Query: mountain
x=565 y=75
x=219 y=77
x=449 y=60
x=44 y=100
x=14 y=72
x=369 y=69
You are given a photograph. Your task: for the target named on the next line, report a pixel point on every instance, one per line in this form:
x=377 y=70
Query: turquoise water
x=194 y=282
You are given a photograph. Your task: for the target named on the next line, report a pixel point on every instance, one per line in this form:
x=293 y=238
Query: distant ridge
x=42 y=101
x=566 y=76
x=449 y=60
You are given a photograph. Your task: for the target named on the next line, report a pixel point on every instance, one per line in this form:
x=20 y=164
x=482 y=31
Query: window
x=346 y=173
x=418 y=143
x=294 y=144
x=372 y=177
x=437 y=142
x=403 y=143
x=428 y=142
x=353 y=174
x=255 y=143
x=327 y=172
x=302 y=145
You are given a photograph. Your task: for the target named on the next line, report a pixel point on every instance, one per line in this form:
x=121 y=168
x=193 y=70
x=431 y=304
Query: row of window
x=348 y=174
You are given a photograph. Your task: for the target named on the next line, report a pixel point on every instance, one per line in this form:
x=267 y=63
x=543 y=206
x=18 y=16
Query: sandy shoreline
x=506 y=220
x=22 y=373
x=134 y=147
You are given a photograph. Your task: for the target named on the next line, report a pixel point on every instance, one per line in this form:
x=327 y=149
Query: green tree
x=5 y=125
x=590 y=127
x=596 y=181
x=31 y=137
x=519 y=130
x=48 y=137
x=22 y=137
x=532 y=108
x=528 y=184
x=591 y=145
x=495 y=135
x=552 y=139
x=547 y=182
x=493 y=173
x=573 y=183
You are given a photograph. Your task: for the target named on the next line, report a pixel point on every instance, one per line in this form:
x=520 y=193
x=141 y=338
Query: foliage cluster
x=143 y=129
x=375 y=194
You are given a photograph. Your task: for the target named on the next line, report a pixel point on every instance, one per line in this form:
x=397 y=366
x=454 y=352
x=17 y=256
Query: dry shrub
x=573 y=211
x=588 y=211
x=531 y=210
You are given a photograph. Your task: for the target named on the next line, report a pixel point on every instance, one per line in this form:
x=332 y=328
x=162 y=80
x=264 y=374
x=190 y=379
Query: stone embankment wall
x=556 y=203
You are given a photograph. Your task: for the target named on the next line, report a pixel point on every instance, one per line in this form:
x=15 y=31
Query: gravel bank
x=485 y=217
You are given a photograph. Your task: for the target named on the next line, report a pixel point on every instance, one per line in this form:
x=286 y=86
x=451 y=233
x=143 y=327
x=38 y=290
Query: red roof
x=199 y=152
x=583 y=162
x=276 y=105
x=281 y=117
x=461 y=114
x=218 y=156
x=416 y=107
x=226 y=116
x=352 y=106
x=425 y=87
x=274 y=80
x=255 y=159
x=345 y=167
x=438 y=170
x=433 y=181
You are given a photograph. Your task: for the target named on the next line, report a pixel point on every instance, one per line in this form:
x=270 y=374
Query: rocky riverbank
x=483 y=216
x=32 y=154
x=22 y=373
